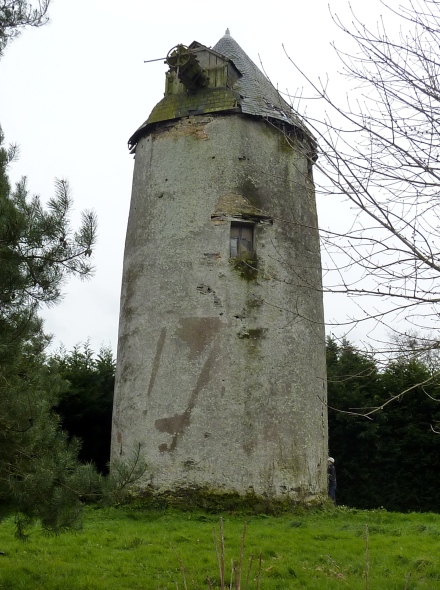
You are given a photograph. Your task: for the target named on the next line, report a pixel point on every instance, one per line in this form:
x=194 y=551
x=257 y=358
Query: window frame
x=242 y=233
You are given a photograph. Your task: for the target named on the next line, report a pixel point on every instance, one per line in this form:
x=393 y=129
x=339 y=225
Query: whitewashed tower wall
x=221 y=354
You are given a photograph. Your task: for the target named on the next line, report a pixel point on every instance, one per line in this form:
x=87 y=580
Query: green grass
x=134 y=548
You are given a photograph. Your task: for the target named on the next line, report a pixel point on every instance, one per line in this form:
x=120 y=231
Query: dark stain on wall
x=198 y=333
x=156 y=361
x=174 y=425
x=177 y=424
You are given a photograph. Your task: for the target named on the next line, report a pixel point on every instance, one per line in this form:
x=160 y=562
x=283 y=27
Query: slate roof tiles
x=260 y=97
x=253 y=93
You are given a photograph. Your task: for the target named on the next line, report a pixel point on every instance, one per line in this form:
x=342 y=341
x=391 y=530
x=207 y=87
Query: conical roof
x=247 y=91
x=259 y=96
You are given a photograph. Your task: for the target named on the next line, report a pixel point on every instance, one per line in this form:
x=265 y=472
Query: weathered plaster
x=221 y=377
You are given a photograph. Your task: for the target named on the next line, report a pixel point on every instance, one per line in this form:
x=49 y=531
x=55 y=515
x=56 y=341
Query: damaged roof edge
x=283 y=127
x=252 y=94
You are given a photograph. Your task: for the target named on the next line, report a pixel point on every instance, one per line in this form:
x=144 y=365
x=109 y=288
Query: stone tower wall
x=221 y=366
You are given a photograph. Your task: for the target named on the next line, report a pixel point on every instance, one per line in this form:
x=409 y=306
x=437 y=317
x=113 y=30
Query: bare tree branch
x=380 y=152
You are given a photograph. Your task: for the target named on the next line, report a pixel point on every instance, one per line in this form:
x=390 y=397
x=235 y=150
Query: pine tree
x=15 y=15
x=86 y=407
x=40 y=477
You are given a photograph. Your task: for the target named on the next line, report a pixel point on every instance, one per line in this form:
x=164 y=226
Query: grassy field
x=134 y=548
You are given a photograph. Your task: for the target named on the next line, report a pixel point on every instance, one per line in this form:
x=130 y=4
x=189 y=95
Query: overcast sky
x=74 y=91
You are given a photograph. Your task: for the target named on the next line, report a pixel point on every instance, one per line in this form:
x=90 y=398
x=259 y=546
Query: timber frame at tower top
x=201 y=80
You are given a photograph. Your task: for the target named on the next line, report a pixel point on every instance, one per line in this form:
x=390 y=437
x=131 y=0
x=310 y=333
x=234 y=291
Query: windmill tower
x=221 y=355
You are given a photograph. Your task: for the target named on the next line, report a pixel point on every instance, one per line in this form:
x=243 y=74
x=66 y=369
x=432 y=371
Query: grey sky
x=74 y=91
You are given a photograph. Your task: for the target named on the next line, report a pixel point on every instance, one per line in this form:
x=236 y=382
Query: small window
x=242 y=240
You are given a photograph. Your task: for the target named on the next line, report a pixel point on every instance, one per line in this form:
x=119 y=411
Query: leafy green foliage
x=38 y=251
x=40 y=477
x=392 y=458
x=38 y=247
x=86 y=407
x=123 y=474
x=408 y=451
